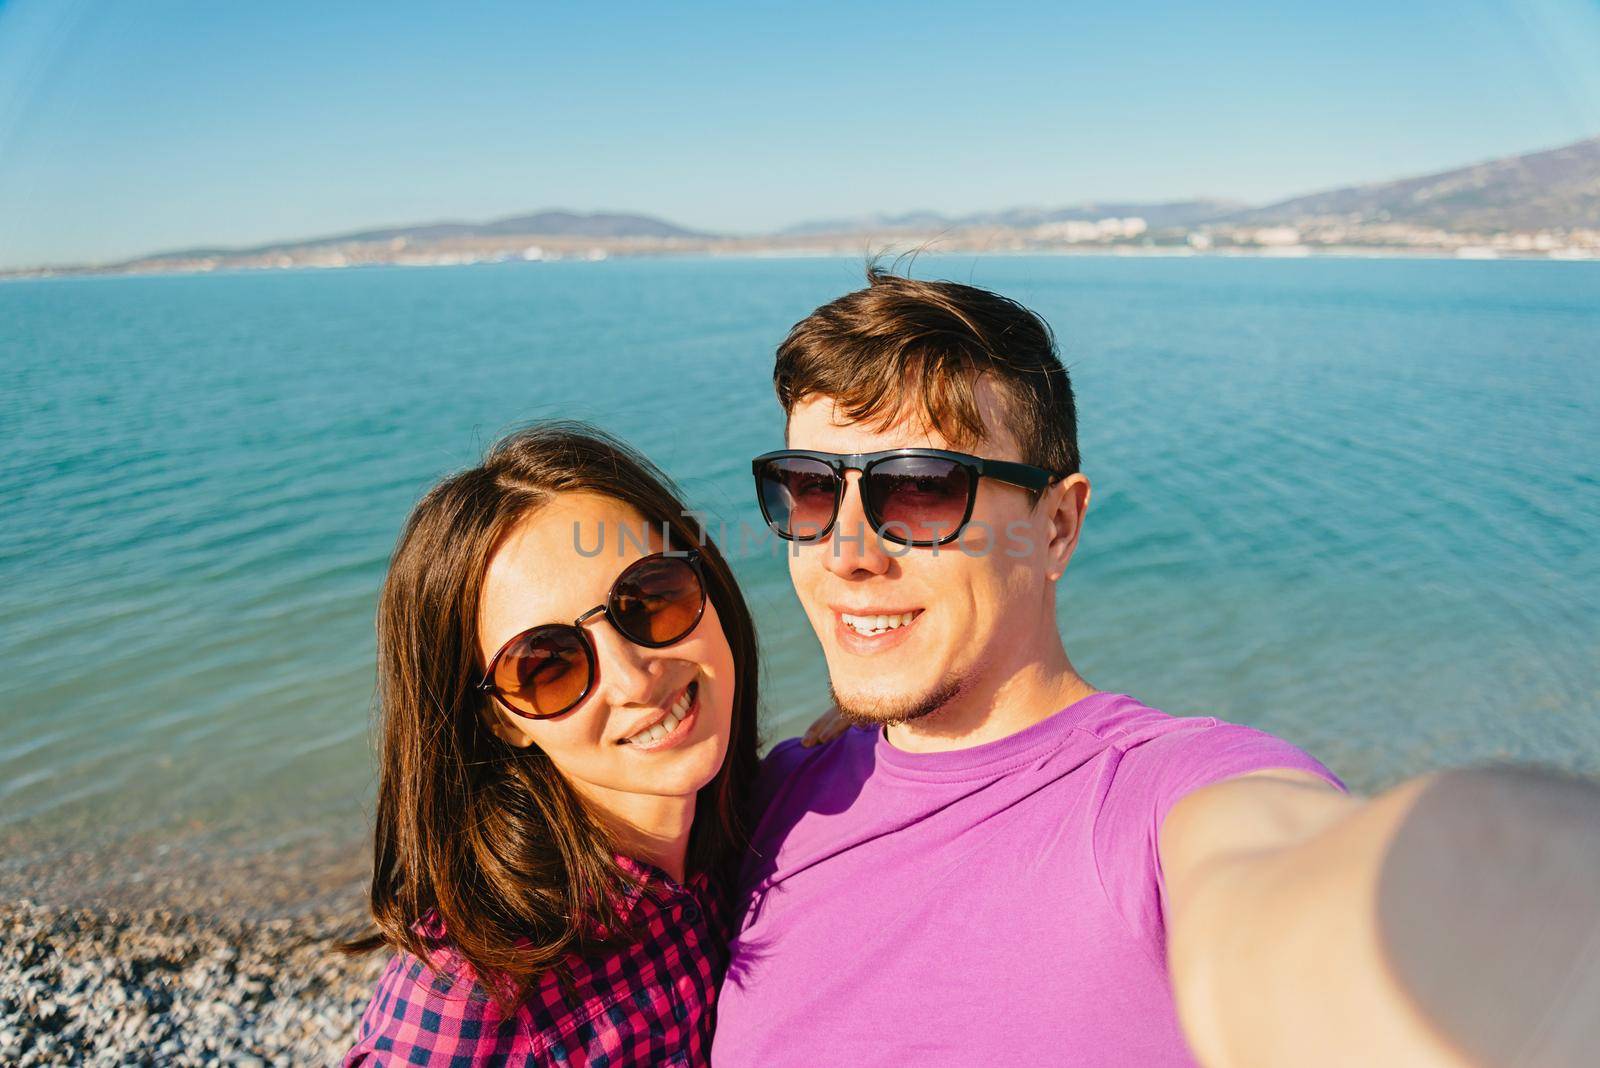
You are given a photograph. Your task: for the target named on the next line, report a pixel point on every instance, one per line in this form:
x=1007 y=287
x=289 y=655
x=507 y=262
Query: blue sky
x=133 y=127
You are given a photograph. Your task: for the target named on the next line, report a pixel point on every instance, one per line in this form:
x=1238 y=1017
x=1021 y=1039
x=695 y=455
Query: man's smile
x=873 y=629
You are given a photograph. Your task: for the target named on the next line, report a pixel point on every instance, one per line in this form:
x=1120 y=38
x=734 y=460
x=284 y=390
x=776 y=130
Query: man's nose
x=853 y=546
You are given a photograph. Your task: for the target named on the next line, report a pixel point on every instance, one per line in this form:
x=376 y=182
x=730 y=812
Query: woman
x=567 y=684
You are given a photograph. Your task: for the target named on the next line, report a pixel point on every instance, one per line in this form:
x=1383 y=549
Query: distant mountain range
x=1541 y=203
x=1156 y=215
x=538 y=224
x=1555 y=189
x=1558 y=189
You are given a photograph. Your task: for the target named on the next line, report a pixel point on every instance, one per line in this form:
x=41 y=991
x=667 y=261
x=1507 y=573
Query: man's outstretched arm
x=1454 y=919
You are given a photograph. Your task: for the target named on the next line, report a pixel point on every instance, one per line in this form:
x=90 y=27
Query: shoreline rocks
x=115 y=986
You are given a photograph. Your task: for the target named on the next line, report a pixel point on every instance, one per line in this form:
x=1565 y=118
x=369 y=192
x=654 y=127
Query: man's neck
x=1032 y=692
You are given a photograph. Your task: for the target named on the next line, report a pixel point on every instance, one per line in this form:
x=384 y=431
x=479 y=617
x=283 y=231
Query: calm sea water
x=1351 y=502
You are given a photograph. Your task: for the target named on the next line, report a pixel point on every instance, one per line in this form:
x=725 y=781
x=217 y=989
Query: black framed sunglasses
x=549 y=669
x=921 y=497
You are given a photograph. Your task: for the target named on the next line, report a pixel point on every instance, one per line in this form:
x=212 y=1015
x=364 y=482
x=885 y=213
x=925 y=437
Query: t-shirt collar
x=991 y=757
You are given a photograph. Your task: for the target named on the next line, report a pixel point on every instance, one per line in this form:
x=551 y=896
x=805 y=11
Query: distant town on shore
x=1538 y=205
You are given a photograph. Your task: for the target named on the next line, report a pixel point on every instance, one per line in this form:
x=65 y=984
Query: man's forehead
x=822 y=423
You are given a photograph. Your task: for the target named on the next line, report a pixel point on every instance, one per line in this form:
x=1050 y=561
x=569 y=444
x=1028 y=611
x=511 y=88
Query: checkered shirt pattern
x=648 y=1004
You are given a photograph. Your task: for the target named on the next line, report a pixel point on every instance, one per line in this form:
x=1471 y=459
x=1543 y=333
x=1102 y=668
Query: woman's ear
x=505 y=726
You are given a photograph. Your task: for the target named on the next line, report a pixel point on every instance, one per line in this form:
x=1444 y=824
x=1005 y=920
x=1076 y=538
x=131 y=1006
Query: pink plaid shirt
x=648 y=1004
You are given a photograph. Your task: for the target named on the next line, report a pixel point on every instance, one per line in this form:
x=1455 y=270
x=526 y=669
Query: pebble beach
x=131 y=955
x=158 y=987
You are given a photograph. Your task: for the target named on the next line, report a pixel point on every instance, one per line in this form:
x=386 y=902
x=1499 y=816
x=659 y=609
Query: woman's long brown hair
x=486 y=838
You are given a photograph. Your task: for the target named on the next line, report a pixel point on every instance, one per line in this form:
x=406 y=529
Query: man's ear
x=1065 y=503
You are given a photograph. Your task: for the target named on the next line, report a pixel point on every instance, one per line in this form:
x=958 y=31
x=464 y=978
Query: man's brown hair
x=903 y=346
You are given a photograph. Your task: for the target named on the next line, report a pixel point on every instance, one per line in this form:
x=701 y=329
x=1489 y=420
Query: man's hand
x=1453 y=920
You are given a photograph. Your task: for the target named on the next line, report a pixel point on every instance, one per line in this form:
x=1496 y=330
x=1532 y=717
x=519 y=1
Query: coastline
x=1296 y=252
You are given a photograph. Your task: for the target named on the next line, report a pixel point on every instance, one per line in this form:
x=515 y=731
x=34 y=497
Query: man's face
x=908 y=631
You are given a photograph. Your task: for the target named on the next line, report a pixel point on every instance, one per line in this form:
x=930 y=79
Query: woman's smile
x=669 y=728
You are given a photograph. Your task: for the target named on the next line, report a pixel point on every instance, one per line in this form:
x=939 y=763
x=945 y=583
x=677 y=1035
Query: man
x=1015 y=868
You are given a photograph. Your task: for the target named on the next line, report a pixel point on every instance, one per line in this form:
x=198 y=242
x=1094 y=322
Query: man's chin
x=888 y=709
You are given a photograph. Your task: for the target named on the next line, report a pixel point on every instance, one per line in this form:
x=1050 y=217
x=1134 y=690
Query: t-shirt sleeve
x=1151 y=774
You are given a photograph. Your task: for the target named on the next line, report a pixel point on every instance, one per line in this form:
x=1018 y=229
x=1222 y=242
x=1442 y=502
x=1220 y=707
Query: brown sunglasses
x=549 y=669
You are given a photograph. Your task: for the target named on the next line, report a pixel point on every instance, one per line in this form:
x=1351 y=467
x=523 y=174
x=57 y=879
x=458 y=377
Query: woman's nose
x=627 y=672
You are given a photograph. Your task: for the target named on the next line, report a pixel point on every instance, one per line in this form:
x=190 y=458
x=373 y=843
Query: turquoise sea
x=1353 y=502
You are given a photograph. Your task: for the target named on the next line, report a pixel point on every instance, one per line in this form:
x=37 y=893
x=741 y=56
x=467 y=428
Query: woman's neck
x=647 y=827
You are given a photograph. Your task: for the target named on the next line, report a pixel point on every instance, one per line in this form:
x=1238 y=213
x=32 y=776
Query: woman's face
x=610 y=743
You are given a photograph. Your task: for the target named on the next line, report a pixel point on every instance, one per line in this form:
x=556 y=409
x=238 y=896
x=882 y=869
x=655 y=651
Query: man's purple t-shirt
x=1001 y=904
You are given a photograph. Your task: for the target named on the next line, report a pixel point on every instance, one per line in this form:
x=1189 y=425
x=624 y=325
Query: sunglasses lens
x=658 y=600
x=918 y=499
x=799 y=495
x=545 y=673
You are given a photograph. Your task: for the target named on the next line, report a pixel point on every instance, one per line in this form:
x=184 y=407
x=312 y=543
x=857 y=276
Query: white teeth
x=667 y=724
x=870 y=625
